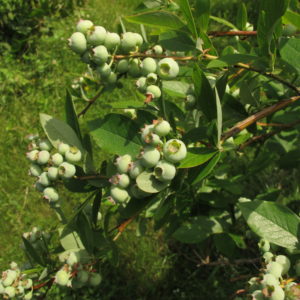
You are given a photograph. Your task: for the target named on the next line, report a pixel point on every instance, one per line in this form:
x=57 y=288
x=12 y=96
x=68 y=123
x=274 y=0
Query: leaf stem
x=231 y=33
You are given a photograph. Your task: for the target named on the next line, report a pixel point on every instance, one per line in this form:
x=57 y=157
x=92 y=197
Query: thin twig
x=270 y=75
x=138 y=55
x=241 y=261
x=90 y=103
x=232 y=33
x=91 y=177
x=257 y=116
x=123 y=226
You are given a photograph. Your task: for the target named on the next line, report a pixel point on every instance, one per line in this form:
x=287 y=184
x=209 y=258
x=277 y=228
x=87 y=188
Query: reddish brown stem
x=232 y=33
x=91 y=177
x=90 y=103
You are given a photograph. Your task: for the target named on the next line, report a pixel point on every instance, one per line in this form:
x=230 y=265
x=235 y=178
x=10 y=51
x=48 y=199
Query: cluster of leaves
x=250 y=81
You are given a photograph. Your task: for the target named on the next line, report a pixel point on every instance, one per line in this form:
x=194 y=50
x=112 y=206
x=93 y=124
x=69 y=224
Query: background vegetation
x=35 y=67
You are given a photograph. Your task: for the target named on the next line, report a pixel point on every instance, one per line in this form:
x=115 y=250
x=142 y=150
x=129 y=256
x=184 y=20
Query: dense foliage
x=217 y=154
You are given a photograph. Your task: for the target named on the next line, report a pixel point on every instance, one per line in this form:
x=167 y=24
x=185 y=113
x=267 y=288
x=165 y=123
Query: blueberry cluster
x=75 y=273
x=49 y=167
x=37 y=238
x=99 y=49
x=14 y=284
x=159 y=156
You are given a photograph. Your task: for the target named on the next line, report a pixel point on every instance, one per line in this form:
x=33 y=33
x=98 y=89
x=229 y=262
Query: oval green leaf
x=196 y=157
x=149 y=184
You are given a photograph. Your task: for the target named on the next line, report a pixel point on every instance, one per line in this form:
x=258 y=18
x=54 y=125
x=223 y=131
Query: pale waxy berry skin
x=35 y=170
x=120 y=180
x=122 y=66
x=73 y=155
x=100 y=55
x=1 y=288
x=174 y=150
x=78 y=43
x=154 y=91
x=151 y=78
x=57 y=159
x=151 y=139
x=134 y=68
x=112 y=40
x=32 y=155
x=62 y=277
x=118 y=194
x=45 y=145
x=150 y=156
x=167 y=68
x=162 y=127
x=63 y=148
x=52 y=173
x=136 y=168
x=72 y=259
x=285 y=262
x=44 y=179
x=268 y=256
x=96 y=35
x=84 y=25
x=157 y=49
x=141 y=84
x=164 y=171
x=10 y=291
x=51 y=194
x=278 y=293
x=66 y=170
x=148 y=66
x=123 y=163
x=138 y=39
x=8 y=281
x=128 y=42
x=274 y=268
x=43 y=157
x=270 y=280
x=112 y=78
x=95 y=279
x=104 y=70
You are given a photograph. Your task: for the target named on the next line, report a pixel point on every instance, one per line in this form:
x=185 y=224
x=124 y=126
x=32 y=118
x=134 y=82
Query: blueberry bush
x=208 y=152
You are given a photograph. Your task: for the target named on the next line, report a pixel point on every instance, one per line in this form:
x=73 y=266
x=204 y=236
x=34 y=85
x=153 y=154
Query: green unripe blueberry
x=44 y=179
x=19 y=290
x=122 y=66
x=137 y=193
x=150 y=156
x=27 y=283
x=162 y=127
x=151 y=78
x=72 y=259
x=104 y=70
x=28 y=296
x=123 y=163
x=84 y=25
x=100 y=55
x=73 y=155
x=77 y=42
x=285 y=262
x=128 y=42
x=62 y=277
x=138 y=39
x=112 y=40
x=258 y=295
x=118 y=194
x=13 y=266
x=1 y=288
x=134 y=69
x=148 y=65
x=277 y=294
x=35 y=170
x=136 y=168
x=268 y=256
x=190 y=102
x=167 y=68
x=95 y=279
x=96 y=35
x=151 y=139
x=158 y=50
x=130 y=112
x=10 y=291
x=164 y=171
x=52 y=173
x=174 y=150
x=83 y=276
x=120 y=180
x=147 y=129
x=66 y=170
x=154 y=91
x=63 y=148
x=32 y=155
x=43 y=157
x=112 y=78
x=274 y=268
x=141 y=84
x=8 y=281
x=270 y=280
x=39 y=187
x=57 y=159
x=297 y=268
x=45 y=145
x=51 y=194
x=264 y=245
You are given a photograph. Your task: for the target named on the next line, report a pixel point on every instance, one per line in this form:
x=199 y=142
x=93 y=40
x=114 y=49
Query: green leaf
x=204 y=94
x=219 y=117
x=197 y=229
x=176 y=41
x=204 y=170
x=242 y=16
x=231 y=59
x=202 y=12
x=223 y=21
x=161 y=19
x=70 y=239
x=96 y=207
x=290 y=52
x=71 y=115
x=81 y=186
x=176 y=88
x=196 y=157
x=116 y=134
x=273 y=222
x=33 y=253
x=85 y=231
x=149 y=184
x=88 y=161
x=134 y=206
x=187 y=12
x=292 y=17
x=58 y=131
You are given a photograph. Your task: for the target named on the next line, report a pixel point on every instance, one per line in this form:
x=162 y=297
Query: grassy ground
x=36 y=83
